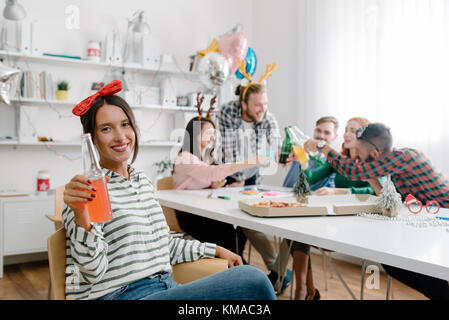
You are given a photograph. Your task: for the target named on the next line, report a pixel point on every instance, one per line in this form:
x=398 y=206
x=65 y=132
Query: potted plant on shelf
x=63 y=90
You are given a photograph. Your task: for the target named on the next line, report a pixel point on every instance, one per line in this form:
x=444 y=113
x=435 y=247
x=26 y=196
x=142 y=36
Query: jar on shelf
x=93 y=51
x=43 y=182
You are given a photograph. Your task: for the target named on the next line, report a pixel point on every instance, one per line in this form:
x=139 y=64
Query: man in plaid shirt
x=247 y=131
x=411 y=172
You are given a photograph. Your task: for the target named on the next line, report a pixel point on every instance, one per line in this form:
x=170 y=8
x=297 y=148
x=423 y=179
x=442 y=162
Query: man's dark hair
x=379 y=135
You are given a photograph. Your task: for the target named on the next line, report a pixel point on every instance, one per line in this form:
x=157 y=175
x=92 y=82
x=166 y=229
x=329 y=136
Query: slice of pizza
x=277 y=204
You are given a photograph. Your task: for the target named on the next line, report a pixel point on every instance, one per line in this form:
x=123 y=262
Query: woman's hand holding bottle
x=77 y=193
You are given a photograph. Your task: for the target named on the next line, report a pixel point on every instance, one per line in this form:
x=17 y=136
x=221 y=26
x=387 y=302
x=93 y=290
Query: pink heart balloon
x=233 y=46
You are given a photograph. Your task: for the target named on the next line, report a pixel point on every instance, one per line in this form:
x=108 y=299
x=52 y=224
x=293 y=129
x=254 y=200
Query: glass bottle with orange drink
x=100 y=207
x=297 y=139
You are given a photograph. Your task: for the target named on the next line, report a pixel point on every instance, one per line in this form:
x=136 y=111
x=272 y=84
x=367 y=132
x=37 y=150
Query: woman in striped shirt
x=130 y=256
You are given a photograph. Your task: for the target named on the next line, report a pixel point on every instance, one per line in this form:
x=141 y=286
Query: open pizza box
x=316 y=206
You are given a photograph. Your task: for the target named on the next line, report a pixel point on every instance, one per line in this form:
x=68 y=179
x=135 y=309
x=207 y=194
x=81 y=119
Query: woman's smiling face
x=114 y=136
x=349 y=137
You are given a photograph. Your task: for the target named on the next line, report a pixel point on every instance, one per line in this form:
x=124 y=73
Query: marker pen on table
x=224 y=197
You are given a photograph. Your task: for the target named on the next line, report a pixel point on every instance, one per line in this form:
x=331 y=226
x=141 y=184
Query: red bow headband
x=108 y=90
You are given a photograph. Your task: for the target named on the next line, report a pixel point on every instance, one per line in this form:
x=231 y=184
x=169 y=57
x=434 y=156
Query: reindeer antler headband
x=268 y=73
x=199 y=102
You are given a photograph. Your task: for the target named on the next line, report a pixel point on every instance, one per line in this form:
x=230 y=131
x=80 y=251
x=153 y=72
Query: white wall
x=275 y=39
x=184 y=27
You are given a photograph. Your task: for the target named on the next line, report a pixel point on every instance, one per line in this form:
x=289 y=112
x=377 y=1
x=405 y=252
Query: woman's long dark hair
x=191 y=137
x=88 y=120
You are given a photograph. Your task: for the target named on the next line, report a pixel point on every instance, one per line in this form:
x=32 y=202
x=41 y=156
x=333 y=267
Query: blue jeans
x=237 y=283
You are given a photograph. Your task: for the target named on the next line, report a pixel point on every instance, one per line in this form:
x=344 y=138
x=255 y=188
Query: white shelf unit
x=97 y=64
x=16 y=143
x=14 y=56
x=55 y=103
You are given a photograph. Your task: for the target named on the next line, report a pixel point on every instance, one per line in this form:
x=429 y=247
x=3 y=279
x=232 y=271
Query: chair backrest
x=56 y=217
x=59 y=201
x=170 y=214
x=56 y=245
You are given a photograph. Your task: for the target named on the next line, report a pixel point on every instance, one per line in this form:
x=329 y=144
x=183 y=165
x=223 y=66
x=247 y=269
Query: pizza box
x=360 y=203
x=307 y=210
x=317 y=206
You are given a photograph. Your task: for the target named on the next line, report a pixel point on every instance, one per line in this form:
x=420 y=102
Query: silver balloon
x=213 y=69
x=6 y=73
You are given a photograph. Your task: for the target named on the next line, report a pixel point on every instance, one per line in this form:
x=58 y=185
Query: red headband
x=108 y=90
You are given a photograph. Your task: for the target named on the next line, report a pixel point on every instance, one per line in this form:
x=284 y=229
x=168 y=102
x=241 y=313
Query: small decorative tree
x=301 y=188
x=390 y=201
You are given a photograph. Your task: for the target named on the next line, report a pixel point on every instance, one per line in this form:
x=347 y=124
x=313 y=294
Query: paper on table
x=263 y=187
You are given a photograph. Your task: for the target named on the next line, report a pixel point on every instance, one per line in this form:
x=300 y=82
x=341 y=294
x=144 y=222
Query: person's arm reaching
x=314 y=176
x=376 y=186
x=190 y=165
x=394 y=163
x=229 y=133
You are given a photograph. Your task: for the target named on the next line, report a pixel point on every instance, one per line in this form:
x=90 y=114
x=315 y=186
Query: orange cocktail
x=301 y=154
x=100 y=207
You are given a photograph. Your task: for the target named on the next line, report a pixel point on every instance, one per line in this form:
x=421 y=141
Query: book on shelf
x=35 y=85
x=194 y=61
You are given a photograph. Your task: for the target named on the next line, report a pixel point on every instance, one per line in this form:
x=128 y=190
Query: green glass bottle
x=286 y=148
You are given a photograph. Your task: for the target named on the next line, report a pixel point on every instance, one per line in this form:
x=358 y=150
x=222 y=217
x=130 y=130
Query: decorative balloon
x=213 y=69
x=6 y=73
x=233 y=46
x=251 y=64
x=213 y=47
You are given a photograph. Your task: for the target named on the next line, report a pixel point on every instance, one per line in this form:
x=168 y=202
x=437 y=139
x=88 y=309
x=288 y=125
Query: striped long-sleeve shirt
x=411 y=172
x=133 y=245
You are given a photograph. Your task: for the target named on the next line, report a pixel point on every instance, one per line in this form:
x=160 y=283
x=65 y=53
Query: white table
x=423 y=250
